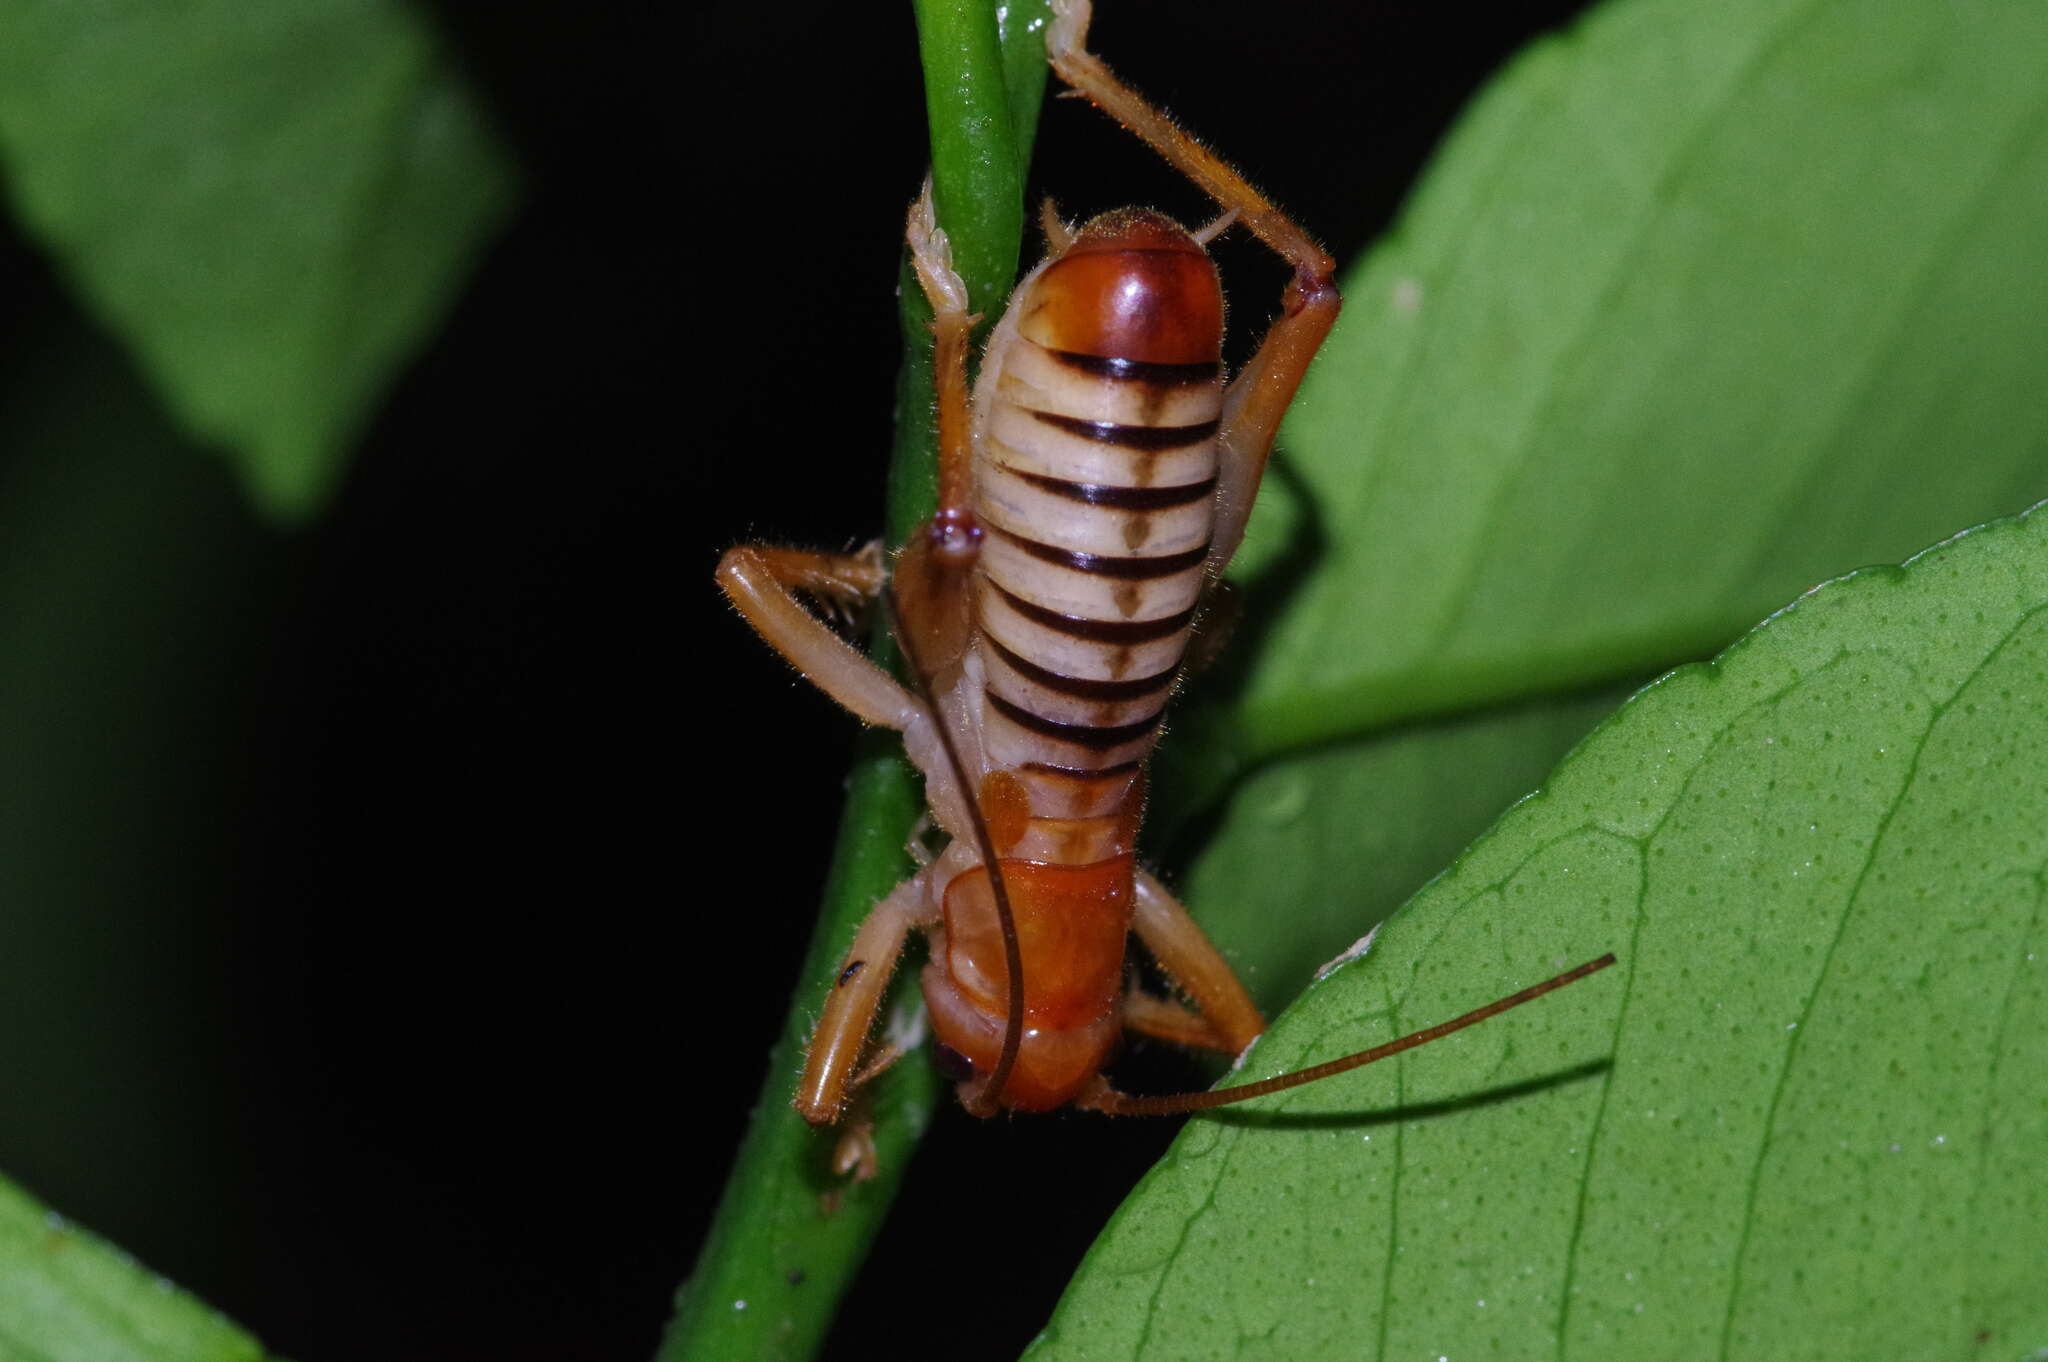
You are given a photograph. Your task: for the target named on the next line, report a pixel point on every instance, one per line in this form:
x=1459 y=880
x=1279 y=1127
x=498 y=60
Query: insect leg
x=1058 y=235
x=1195 y=965
x=1256 y=400
x=1162 y=1019
x=1066 y=48
x=930 y=592
x=855 y=1155
x=1258 y=397
x=931 y=256
x=842 y=1031
x=763 y=582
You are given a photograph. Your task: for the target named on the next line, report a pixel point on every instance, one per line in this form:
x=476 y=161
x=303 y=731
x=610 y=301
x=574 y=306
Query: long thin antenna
x=987 y=1101
x=1107 y=1099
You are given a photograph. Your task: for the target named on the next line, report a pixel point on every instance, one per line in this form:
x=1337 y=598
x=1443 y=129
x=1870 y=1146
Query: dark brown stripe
x=1080 y=735
x=1149 y=439
x=1102 y=565
x=1085 y=774
x=1116 y=633
x=1119 y=498
x=1138 y=370
x=1081 y=688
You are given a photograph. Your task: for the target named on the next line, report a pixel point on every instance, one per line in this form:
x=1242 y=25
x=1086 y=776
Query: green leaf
x=271 y=204
x=1340 y=837
x=1806 y=1118
x=67 y=1297
x=1700 y=304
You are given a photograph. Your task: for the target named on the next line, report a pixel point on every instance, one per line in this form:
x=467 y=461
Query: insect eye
x=952 y=1065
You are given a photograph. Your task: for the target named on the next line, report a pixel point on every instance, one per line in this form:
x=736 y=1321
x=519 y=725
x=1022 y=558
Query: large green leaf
x=67 y=1297
x=271 y=204
x=1808 y=1117
x=1701 y=304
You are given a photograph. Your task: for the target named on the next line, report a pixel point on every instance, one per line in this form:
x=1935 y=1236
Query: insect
x=1092 y=487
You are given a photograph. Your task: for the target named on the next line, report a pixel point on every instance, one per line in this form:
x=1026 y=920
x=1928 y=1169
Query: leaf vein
x=1568 y=1281
x=1802 y=1029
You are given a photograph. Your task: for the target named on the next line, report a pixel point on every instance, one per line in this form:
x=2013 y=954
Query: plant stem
x=776 y=1262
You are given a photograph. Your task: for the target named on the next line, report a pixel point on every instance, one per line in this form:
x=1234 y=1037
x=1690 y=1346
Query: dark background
x=408 y=901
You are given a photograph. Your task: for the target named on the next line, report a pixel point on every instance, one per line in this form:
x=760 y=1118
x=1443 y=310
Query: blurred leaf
x=1805 y=1119
x=67 y=1297
x=132 y=592
x=271 y=204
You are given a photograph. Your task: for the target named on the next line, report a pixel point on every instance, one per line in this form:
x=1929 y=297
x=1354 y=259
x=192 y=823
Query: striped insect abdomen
x=1095 y=481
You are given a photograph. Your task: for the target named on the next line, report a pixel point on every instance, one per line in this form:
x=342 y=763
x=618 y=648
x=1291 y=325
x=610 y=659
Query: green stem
x=776 y=1262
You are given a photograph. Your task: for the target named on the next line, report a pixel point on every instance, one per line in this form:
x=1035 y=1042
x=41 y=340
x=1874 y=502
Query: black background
x=483 y=940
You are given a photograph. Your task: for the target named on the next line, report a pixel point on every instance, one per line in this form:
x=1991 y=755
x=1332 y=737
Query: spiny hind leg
x=832 y=1064
x=764 y=583
x=1259 y=396
x=1197 y=967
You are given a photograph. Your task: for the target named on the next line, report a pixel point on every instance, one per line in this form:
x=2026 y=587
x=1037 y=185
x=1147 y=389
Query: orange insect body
x=1090 y=492
x=1094 y=482
x=1071 y=924
x=1091 y=489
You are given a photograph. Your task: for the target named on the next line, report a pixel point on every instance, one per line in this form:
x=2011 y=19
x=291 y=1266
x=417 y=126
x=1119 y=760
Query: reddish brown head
x=1133 y=285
